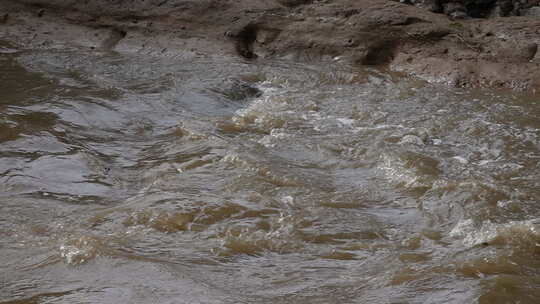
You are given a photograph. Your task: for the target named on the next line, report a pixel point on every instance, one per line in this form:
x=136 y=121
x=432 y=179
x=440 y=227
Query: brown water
x=131 y=179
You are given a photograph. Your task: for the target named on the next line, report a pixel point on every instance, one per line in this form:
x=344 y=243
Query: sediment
x=494 y=48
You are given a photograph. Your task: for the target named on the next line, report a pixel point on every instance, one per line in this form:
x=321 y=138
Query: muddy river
x=192 y=179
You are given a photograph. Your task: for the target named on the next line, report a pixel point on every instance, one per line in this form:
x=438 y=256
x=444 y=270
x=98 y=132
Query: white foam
x=461 y=159
x=346 y=121
x=474 y=234
x=411 y=139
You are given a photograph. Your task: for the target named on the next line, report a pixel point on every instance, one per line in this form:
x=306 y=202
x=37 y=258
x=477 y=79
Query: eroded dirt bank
x=465 y=52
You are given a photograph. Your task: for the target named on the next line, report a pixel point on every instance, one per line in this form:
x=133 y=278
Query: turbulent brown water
x=136 y=179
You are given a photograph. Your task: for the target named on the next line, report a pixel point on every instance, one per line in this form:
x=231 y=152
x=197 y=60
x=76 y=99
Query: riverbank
x=472 y=52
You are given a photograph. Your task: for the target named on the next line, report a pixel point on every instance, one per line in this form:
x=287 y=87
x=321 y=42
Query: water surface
x=136 y=179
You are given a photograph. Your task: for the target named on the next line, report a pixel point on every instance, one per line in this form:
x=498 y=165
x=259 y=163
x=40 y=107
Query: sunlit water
x=132 y=179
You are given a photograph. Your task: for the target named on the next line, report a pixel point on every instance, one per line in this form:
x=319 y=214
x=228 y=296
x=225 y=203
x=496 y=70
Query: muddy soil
x=461 y=51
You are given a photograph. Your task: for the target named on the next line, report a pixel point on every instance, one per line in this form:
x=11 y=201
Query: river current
x=189 y=179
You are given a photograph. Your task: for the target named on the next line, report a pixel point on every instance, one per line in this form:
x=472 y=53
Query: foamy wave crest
x=523 y=234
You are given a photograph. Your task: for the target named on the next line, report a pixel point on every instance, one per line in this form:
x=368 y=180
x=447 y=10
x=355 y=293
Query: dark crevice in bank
x=114 y=38
x=244 y=41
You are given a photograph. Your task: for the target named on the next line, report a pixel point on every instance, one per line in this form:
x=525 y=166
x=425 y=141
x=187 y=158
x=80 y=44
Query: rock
x=238 y=90
x=456 y=10
x=533 y=12
x=476 y=8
